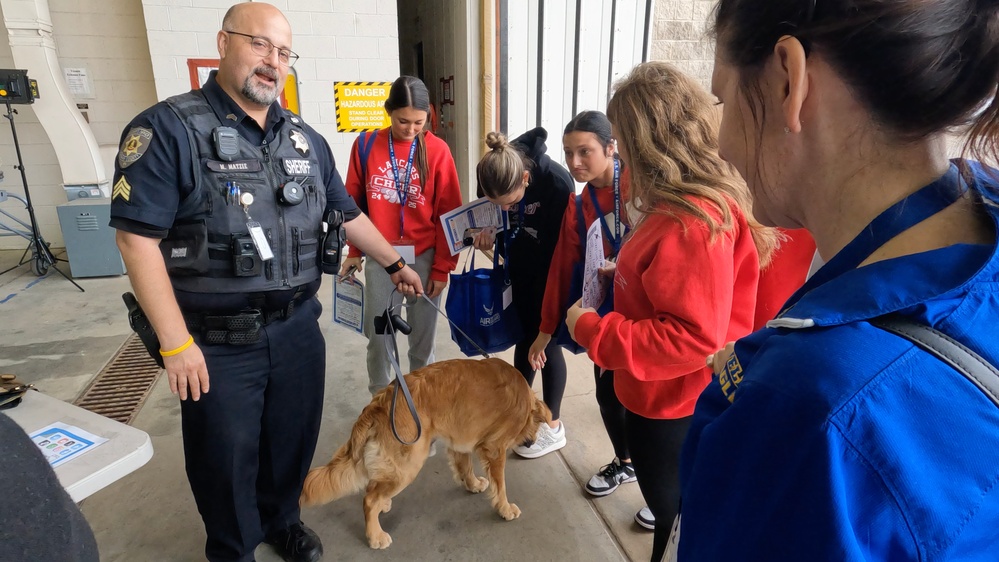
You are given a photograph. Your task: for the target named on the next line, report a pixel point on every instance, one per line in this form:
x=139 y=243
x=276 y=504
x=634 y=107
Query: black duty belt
x=240 y=327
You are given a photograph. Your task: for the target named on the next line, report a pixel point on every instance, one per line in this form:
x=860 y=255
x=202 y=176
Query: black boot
x=297 y=543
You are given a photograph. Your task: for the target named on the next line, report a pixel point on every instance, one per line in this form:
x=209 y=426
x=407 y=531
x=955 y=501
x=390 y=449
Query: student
x=590 y=156
x=685 y=280
x=405 y=184
x=825 y=437
x=524 y=181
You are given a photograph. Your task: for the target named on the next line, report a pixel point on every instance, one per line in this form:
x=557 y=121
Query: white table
x=126 y=450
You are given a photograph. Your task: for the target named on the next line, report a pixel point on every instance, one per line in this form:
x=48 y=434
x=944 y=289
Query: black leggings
x=553 y=374
x=655 y=453
x=612 y=412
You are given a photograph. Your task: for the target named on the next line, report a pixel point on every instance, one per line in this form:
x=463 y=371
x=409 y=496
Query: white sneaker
x=548 y=440
x=645 y=518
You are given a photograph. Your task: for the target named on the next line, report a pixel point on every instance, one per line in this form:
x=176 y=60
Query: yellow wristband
x=187 y=344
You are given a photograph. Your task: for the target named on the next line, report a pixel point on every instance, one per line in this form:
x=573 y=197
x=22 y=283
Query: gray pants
x=419 y=314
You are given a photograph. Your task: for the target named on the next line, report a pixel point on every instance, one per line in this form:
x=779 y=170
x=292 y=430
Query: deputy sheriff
x=218 y=200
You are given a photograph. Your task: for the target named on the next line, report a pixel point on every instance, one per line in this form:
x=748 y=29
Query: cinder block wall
x=680 y=36
x=108 y=39
x=337 y=40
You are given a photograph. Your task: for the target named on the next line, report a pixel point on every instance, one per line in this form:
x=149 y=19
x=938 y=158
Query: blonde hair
x=501 y=170
x=668 y=129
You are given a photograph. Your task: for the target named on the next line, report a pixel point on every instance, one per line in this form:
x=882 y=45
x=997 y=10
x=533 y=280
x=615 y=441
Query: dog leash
x=455 y=326
x=386 y=326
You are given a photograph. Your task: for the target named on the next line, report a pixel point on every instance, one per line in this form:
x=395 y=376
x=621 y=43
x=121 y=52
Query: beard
x=259 y=93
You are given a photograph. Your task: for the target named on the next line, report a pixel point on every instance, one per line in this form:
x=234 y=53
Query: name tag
x=297 y=167
x=235 y=166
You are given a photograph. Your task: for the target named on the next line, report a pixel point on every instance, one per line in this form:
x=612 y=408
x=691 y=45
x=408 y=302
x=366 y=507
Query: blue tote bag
x=475 y=304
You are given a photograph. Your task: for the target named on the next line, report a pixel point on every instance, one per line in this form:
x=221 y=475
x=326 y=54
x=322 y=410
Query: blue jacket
x=826 y=438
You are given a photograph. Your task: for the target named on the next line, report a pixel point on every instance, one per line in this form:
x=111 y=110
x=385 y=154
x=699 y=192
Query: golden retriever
x=482 y=406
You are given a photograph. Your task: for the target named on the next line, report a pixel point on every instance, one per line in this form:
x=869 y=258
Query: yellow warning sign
x=360 y=106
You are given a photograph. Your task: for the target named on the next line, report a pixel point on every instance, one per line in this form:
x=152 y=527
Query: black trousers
x=655 y=453
x=249 y=442
x=612 y=412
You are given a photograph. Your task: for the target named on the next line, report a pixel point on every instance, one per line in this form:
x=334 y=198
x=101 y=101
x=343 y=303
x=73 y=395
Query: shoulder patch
x=134 y=146
x=122 y=190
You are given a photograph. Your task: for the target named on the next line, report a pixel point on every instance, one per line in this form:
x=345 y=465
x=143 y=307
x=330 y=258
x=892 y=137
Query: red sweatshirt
x=784 y=275
x=567 y=251
x=678 y=297
x=426 y=202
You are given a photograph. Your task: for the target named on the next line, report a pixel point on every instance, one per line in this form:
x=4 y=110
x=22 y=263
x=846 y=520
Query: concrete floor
x=58 y=338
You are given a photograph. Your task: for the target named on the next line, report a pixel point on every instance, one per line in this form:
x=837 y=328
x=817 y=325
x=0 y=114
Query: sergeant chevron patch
x=122 y=190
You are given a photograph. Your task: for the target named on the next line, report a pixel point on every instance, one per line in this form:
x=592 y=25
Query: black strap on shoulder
x=364 y=144
x=972 y=366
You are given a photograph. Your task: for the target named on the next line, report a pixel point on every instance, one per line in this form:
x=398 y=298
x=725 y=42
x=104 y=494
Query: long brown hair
x=668 y=131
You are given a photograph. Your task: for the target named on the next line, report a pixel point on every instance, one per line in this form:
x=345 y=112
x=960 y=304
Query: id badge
x=260 y=240
x=507 y=296
x=406 y=249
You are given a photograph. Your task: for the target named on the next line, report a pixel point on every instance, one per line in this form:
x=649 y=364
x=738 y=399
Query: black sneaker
x=610 y=477
x=297 y=543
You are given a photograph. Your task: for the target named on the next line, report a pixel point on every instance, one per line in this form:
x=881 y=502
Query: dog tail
x=345 y=473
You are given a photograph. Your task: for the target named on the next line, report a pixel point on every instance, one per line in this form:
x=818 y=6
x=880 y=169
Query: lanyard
x=402 y=189
x=615 y=241
x=898 y=218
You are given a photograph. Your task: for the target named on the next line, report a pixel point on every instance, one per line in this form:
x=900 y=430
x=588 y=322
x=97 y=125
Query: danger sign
x=360 y=106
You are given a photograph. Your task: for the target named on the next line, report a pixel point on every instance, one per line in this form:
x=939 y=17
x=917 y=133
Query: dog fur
x=481 y=406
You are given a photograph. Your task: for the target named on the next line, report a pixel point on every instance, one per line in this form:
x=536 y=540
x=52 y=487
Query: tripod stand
x=41 y=257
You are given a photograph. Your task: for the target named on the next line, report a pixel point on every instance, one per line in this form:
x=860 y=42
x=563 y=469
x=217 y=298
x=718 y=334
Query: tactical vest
x=210 y=249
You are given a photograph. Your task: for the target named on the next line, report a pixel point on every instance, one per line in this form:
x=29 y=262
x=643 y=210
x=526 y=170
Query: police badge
x=301 y=143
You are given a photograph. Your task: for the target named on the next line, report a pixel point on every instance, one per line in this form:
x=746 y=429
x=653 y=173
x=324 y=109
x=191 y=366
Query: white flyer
x=60 y=442
x=348 y=303
x=594 y=284
x=479 y=214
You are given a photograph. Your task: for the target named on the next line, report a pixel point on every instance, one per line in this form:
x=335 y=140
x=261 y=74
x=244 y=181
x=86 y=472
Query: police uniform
x=826 y=438
x=249 y=442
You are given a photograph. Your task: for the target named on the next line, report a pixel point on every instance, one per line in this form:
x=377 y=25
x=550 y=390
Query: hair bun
x=496 y=141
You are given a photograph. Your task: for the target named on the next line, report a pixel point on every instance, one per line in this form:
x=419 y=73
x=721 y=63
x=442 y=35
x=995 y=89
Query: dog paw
x=479 y=484
x=509 y=511
x=380 y=540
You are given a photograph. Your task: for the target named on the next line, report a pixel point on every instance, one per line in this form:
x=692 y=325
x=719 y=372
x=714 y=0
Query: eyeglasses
x=263 y=47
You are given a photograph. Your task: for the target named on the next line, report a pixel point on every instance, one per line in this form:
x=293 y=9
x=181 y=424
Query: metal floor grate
x=120 y=389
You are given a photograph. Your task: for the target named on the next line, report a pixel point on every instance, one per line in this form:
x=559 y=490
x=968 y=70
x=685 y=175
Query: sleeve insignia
x=122 y=190
x=134 y=146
